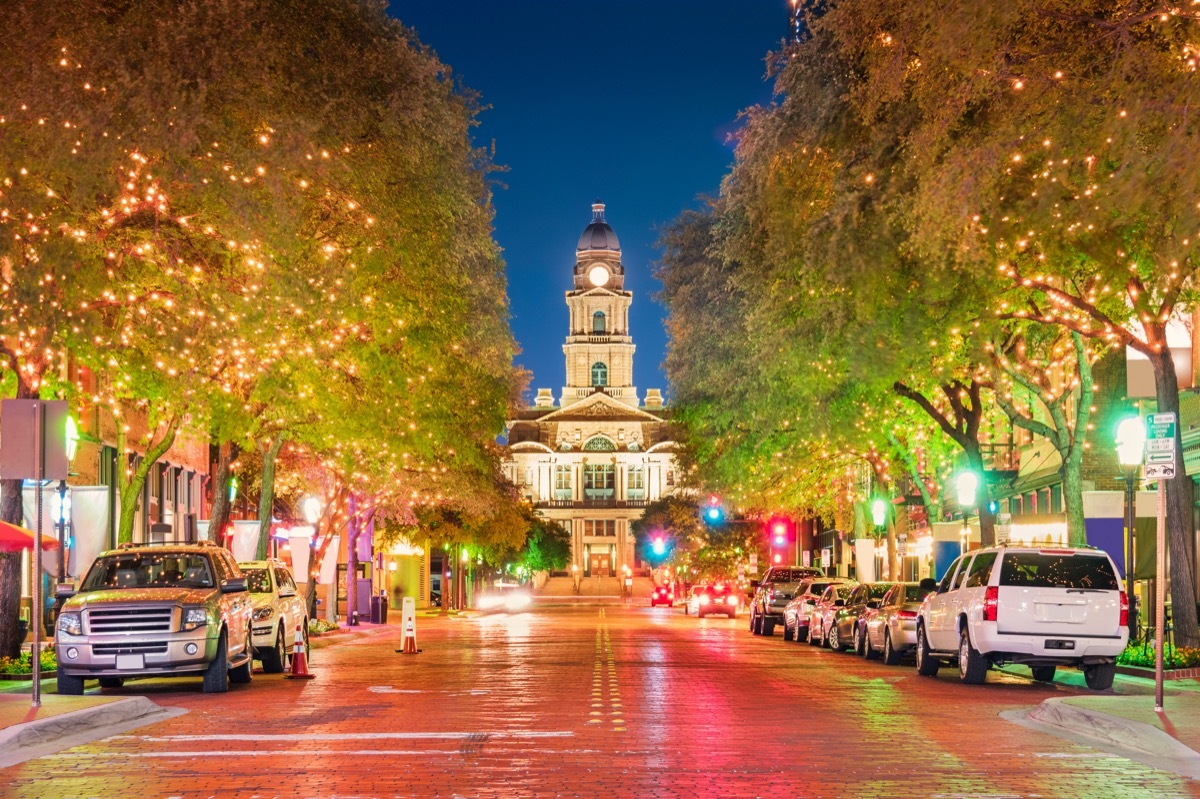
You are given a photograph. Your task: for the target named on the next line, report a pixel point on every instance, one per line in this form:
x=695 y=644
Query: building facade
x=598 y=457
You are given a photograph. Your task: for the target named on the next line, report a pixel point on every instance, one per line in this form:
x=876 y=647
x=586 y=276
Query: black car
x=772 y=594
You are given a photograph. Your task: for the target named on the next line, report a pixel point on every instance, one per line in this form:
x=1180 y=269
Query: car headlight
x=194 y=618
x=264 y=613
x=70 y=623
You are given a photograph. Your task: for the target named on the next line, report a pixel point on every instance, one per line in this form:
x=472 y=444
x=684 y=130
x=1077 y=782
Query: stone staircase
x=593 y=588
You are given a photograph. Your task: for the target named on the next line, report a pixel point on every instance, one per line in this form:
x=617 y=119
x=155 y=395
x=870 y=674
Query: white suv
x=1040 y=607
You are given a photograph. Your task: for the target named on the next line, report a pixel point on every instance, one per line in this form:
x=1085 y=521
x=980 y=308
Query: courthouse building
x=597 y=458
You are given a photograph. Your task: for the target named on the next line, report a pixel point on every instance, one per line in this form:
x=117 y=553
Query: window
x=981 y=570
x=635 y=486
x=670 y=477
x=600 y=527
x=562 y=482
x=599 y=444
x=599 y=374
x=598 y=322
x=1056 y=501
x=1058 y=570
x=944 y=585
x=528 y=476
x=599 y=480
x=283 y=578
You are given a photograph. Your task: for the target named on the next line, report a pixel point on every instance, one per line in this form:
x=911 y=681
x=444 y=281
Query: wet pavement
x=592 y=702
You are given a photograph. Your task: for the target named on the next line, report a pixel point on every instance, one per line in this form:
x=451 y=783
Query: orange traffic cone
x=299 y=659
x=409 y=646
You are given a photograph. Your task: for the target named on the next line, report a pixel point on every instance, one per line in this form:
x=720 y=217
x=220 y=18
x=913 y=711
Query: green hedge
x=1173 y=657
x=24 y=663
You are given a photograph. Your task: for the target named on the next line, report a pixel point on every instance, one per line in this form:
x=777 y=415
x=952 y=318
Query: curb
x=29 y=739
x=1113 y=731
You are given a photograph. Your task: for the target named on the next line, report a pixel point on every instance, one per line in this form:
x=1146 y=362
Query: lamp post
x=879 y=516
x=966 y=484
x=1131 y=445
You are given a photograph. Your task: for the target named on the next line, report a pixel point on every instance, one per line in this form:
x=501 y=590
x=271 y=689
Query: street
x=589 y=702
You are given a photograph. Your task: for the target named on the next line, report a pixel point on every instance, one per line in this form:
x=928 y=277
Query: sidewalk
x=1124 y=722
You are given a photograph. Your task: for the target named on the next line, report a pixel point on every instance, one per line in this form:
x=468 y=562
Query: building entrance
x=600 y=565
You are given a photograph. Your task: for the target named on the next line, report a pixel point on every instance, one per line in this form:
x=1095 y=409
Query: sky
x=630 y=102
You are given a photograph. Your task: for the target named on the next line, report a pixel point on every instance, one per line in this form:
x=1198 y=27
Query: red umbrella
x=14 y=538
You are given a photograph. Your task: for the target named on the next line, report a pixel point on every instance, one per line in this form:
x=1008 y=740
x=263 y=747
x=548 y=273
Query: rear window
x=1051 y=570
x=913 y=593
x=818 y=588
x=791 y=575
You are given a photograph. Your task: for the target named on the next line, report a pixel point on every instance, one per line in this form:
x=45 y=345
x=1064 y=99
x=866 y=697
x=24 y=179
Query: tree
x=547 y=547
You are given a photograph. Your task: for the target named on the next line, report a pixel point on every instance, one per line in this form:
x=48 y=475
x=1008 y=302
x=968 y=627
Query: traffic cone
x=409 y=646
x=299 y=658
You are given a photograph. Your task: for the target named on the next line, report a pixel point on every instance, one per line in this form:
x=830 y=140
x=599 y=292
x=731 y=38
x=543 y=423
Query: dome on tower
x=598 y=235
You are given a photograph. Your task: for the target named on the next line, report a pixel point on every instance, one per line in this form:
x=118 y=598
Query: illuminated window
x=599 y=481
x=599 y=374
x=598 y=322
x=635 y=486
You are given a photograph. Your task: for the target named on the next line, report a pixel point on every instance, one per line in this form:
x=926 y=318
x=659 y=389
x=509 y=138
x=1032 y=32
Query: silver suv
x=176 y=609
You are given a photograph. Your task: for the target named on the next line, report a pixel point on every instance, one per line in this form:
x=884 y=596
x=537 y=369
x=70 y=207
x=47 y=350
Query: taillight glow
x=732 y=600
x=906 y=614
x=1124 y=609
x=991 y=603
x=704 y=599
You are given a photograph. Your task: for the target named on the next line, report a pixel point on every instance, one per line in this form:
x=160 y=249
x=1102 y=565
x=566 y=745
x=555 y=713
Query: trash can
x=378 y=609
x=383 y=607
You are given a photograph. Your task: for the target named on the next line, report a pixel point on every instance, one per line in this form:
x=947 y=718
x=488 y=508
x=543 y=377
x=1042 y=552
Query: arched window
x=599 y=374
x=598 y=322
x=599 y=444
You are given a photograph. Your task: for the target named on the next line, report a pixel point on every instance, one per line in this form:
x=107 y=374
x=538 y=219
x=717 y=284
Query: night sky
x=630 y=102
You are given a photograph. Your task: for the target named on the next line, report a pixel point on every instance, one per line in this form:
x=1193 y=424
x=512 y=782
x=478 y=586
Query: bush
x=319 y=626
x=1173 y=657
x=23 y=664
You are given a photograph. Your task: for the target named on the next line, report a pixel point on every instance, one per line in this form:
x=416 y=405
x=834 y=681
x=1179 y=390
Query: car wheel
x=814 y=635
x=856 y=640
x=927 y=664
x=890 y=656
x=833 y=639
x=801 y=634
x=752 y=620
x=111 y=682
x=1043 y=673
x=274 y=660
x=1098 y=676
x=216 y=676
x=768 y=626
x=789 y=633
x=70 y=685
x=869 y=651
x=972 y=666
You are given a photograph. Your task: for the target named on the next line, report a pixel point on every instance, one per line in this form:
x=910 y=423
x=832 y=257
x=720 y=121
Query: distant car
x=1039 y=607
x=892 y=630
x=277 y=612
x=831 y=601
x=798 y=611
x=505 y=598
x=662 y=595
x=772 y=594
x=845 y=621
x=718 y=598
x=692 y=605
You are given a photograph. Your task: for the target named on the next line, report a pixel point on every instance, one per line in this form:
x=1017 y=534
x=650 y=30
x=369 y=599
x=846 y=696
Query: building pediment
x=599 y=406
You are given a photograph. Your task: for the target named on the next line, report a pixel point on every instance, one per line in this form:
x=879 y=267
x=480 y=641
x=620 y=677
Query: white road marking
x=352 y=736
x=274 y=753
x=387 y=689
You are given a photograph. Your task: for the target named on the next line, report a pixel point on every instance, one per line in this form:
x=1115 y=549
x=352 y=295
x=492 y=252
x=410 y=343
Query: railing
x=593 y=503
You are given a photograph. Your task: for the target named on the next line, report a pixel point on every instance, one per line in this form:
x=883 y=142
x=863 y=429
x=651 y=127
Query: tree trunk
x=983 y=498
x=10 y=572
x=892 y=554
x=352 y=529
x=266 y=501
x=219 y=518
x=131 y=489
x=1179 y=513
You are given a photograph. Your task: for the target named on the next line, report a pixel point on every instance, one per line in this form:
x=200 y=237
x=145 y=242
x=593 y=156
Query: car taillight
x=704 y=599
x=1124 y=609
x=732 y=600
x=906 y=614
x=991 y=603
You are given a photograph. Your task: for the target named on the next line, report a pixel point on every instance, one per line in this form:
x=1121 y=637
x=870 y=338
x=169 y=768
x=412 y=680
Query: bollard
x=299 y=658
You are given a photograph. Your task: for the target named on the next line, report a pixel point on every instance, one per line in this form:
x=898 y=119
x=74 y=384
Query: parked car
x=167 y=610
x=831 y=601
x=662 y=595
x=798 y=611
x=719 y=598
x=892 y=629
x=1040 y=607
x=773 y=592
x=844 y=622
x=277 y=611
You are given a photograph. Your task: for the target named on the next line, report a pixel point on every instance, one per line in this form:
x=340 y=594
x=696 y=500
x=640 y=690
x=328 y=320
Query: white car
x=505 y=598
x=277 y=611
x=1040 y=607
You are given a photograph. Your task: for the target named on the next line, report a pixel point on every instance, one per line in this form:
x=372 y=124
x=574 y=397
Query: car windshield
x=817 y=588
x=1057 y=570
x=843 y=591
x=258 y=581
x=149 y=570
x=877 y=590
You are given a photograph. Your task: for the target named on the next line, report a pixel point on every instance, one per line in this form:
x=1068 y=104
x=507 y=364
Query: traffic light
x=780 y=531
x=714 y=513
x=659 y=546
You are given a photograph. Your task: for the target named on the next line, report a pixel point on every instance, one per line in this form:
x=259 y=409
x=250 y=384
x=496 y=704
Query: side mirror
x=64 y=591
x=237 y=585
x=839 y=603
x=287 y=592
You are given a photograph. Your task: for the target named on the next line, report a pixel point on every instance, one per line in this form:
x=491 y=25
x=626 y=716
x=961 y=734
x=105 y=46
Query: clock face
x=598 y=275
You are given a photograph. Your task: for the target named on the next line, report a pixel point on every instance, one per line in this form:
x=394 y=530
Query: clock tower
x=599 y=349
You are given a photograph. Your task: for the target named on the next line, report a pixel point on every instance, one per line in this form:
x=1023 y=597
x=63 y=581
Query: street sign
x=1160 y=457
x=1160 y=425
x=1003 y=527
x=902 y=545
x=1160 y=445
x=1159 y=471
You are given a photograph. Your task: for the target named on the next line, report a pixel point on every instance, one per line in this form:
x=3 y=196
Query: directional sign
x=1160 y=457
x=1159 y=471
x=1160 y=425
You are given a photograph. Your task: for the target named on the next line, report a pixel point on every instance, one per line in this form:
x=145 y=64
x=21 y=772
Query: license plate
x=1054 y=643
x=131 y=661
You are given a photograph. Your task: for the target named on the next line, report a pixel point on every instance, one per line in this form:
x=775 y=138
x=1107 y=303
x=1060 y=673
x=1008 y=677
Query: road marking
x=346 y=736
x=268 y=753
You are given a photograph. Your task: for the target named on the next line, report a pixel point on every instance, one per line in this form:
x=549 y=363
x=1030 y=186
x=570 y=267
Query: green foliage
x=547 y=546
x=320 y=627
x=23 y=663
x=1173 y=657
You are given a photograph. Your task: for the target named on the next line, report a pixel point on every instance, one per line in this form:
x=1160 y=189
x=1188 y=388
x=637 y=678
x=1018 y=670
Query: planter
x=1190 y=673
x=27 y=677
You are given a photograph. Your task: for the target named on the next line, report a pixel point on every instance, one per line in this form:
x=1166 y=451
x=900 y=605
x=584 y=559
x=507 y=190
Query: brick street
x=591 y=702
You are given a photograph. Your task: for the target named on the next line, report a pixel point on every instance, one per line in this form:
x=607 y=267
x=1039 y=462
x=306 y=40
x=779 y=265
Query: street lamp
x=966 y=484
x=1131 y=445
x=312 y=510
